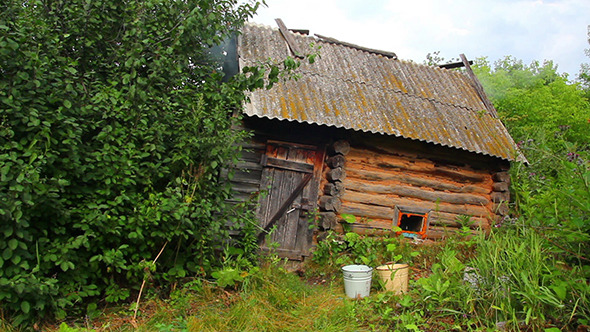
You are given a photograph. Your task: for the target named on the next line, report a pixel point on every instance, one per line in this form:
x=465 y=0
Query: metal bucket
x=394 y=277
x=357 y=280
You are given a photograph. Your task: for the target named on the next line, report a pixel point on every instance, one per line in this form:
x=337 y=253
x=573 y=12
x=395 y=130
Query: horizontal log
x=336 y=174
x=367 y=211
x=248 y=165
x=437 y=232
x=501 y=177
x=501 y=208
x=370 y=230
x=249 y=155
x=243 y=176
x=329 y=203
x=458 y=174
x=404 y=191
x=328 y=220
x=370 y=223
x=392 y=162
x=500 y=186
x=436 y=218
x=458 y=209
x=253 y=145
x=415 y=180
x=339 y=147
x=336 y=161
x=414 y=205
x=335 y=189
x=396 y=146
x=245 y=187
x=241 y=197
x=498 y=197
x=286 y=164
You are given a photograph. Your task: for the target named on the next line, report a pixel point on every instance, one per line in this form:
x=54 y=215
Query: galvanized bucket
x=357 y=280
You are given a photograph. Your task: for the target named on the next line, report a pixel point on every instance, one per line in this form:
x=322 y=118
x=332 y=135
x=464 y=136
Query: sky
x=529 y=30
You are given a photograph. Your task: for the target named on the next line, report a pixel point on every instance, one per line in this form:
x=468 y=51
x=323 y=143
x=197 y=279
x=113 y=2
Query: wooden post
x=289 y=38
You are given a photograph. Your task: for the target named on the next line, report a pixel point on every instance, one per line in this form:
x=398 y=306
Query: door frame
x=311 y=181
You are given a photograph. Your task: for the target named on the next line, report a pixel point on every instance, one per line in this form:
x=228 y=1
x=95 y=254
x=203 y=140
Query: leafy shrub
x=535 y=98
x=336 y=250
x=113 y=129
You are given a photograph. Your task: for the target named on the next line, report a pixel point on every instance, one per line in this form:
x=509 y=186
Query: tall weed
x=517 y=281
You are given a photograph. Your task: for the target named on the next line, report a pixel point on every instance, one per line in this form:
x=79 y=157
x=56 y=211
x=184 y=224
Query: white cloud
x=526 y=29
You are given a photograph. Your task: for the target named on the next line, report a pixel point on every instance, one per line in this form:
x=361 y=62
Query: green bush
x=113 y=129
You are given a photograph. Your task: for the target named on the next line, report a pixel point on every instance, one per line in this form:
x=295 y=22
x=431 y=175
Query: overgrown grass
x=277 y=300
x=515 y=283
x=270 y=299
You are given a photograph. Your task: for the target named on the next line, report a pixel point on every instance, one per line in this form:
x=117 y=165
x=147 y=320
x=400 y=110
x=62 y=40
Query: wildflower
x=571 y=156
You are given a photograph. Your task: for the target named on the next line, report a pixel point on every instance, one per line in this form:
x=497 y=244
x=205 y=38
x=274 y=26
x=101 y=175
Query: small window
x=412 y=224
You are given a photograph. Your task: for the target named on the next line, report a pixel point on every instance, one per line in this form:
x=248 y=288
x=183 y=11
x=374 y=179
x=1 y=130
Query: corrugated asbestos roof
x=354 y=89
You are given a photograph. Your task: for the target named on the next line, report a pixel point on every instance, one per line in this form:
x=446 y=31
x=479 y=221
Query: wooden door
x=291 y=178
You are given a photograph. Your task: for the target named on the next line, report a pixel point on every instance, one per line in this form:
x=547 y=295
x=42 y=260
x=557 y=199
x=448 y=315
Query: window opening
x=412 y=225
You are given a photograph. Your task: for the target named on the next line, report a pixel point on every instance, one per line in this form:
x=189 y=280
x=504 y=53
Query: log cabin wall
x=369 y=176
x=374 y=176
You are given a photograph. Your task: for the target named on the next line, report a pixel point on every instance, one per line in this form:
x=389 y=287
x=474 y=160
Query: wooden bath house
x=362 y=134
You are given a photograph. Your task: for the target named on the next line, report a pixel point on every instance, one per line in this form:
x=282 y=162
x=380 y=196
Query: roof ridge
x=331 y=40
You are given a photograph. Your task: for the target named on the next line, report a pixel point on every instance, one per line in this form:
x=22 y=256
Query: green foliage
x=584 y=74
x=552 y=195
x=440 y=289
x=113 y=129
x=337 y=250
x=276 y=300
x=235 y=268
x=535 y=98
x=550 y=229
x=551 y=120
x=63 y=327
x=535 y=295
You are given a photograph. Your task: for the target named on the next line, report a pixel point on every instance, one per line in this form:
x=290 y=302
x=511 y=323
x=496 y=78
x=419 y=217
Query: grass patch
x=277 y=300
x=271 y=299
x=515 y=284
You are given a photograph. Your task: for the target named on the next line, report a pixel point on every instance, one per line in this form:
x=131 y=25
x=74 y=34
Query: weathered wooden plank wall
x=247 y=173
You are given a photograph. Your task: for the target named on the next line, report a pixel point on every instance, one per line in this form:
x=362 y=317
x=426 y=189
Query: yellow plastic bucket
x=394 y=277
